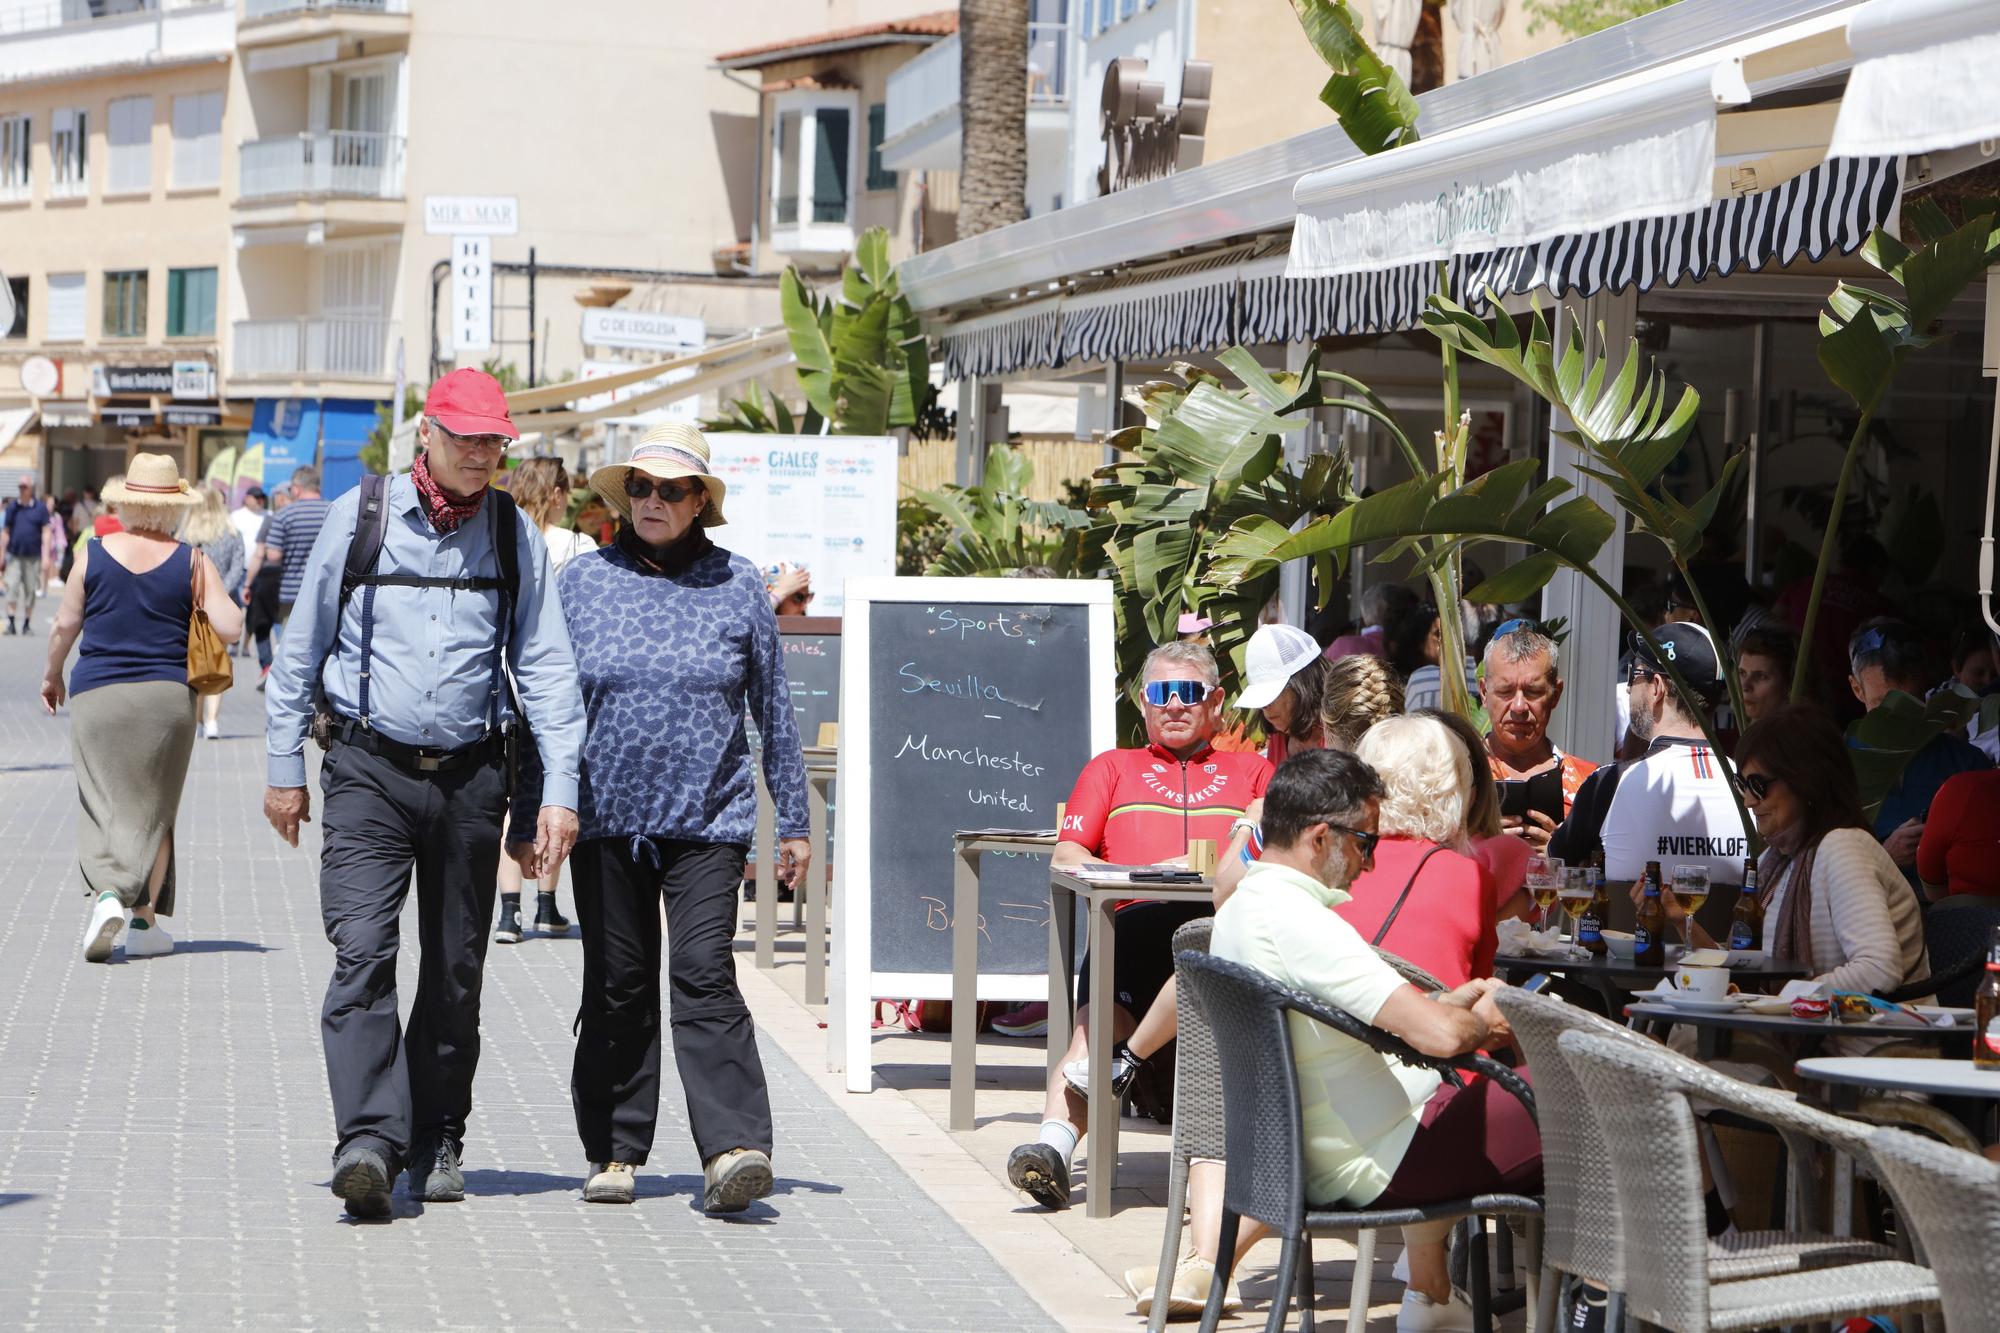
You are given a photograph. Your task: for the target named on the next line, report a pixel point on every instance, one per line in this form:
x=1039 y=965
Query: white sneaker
x=1421 y=1314
x=1189 y=1295
x=106 y=920
x=148 y=942
x=212 y=730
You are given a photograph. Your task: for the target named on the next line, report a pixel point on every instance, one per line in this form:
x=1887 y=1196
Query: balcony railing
x=329 y=345
x=270 y=9
x=1048 y=62
x=922 y=89
x=342 y=162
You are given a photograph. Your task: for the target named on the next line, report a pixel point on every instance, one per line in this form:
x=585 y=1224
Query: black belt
x=418 y=758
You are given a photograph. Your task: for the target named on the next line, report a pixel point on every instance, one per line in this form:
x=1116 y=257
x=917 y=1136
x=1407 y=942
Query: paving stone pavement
x=165 y=1129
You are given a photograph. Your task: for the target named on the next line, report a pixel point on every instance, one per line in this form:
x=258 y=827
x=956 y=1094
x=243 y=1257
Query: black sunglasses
x=638 y=486
x=1640 y=673
x=1753 y=784
x=1365 y=841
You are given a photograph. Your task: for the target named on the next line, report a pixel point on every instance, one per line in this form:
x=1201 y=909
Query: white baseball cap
x=1276 y=654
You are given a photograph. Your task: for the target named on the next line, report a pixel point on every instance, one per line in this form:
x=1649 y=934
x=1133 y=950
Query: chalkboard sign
x=965 y=703
x=812 y=666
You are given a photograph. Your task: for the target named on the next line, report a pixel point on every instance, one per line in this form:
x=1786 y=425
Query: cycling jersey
x=1142 y=807
x=1671 y=805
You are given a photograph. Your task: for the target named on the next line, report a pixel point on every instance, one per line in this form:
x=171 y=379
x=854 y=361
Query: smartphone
x=1541 y=792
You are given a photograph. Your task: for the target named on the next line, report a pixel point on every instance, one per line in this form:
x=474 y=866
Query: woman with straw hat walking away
x=674 y=636
x=131 y=597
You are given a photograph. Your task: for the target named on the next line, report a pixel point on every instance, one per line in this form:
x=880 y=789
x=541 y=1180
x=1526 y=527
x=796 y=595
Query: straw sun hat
x=667 y=451
x=152 y=479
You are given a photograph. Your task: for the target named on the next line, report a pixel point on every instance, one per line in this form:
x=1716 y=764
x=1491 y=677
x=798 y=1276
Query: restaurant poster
x=827 y=502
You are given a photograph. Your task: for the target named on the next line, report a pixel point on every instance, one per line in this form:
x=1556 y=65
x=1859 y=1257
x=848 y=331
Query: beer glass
x=1545 y=878
x=1576 y=894
x=1690 y=892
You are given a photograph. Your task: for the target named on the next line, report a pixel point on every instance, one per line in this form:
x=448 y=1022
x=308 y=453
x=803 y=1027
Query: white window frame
x=197 y=161
x=69 y=153
x=78 y=283
x=804 y=234
x=17 y=157
x=128 y=145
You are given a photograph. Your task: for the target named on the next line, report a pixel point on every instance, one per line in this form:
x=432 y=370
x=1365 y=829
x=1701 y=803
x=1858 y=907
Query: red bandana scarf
x=444 y=513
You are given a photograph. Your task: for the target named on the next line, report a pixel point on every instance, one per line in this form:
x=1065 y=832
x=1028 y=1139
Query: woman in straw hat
x=132 y=716
x=674 y=637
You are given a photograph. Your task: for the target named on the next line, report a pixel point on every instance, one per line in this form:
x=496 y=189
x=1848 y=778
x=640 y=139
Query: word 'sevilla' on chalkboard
x=965 y=703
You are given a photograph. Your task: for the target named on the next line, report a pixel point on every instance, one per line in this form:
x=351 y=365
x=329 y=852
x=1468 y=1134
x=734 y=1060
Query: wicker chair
x=1951 y=1199
x=1581 y=1235
x=1266 y=1145
x=1957 y=931
x=1197 y=1107
x=1640 y=1098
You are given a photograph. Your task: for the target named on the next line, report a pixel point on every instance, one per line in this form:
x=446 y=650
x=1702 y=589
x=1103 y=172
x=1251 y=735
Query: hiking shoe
x=144 y=941
x=435 y=1176
x=1040 y=1170
x=1125 y=1068
x=361 y=1178
x=106 y=920
x=611 y=1182
x=730 y=1180
x=509 y=930
x=1024 y=1020
x=547 y=919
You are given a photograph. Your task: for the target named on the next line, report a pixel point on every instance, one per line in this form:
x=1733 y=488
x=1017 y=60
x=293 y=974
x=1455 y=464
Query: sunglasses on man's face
x=1160 y=693
x=1363 y=842
x=638 y=486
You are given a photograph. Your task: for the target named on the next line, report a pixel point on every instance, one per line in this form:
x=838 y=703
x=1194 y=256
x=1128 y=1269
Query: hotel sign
x=471 y=215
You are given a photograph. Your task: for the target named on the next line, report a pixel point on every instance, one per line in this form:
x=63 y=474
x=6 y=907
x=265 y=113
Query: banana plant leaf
x=1371 y=99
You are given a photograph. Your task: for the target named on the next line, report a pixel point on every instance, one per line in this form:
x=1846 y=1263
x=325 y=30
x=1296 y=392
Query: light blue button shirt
x=431 y=673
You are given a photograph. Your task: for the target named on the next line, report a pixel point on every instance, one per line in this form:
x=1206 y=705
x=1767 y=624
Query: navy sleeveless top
x=135 y=626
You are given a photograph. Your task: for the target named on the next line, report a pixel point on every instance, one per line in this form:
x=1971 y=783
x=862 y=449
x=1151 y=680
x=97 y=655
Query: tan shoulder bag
x=208 y=660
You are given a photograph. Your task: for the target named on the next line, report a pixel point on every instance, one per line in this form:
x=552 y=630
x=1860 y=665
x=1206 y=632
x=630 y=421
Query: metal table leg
x=1101 y=1112
x=767 y=879
x=964 y=986
x=1062 y=972
x=814 y=891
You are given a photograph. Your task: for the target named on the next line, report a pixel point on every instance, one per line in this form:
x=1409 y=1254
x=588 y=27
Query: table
x=1940 y=1078
x=809 y=897
x=967 y=848
x=1608 y=974
x=1101 y=1112
x=1714 y=1031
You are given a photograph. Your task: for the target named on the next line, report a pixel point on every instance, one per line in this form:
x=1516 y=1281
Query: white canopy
x=1640 y=147
x=1926 y=76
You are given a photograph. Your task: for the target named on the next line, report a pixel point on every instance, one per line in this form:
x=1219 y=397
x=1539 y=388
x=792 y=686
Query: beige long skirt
x=131 y=744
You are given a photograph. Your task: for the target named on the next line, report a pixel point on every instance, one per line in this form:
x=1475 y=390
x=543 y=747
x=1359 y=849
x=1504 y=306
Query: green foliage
x=375 y=453
x=1884 y=740
x=861 y=356
x=1580 y=18
x=993 y=528
x=753 y=414
x=1373 y=103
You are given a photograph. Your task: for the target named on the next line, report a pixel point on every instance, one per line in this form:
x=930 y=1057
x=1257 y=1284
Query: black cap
x=1688 y=646
x=254 y=493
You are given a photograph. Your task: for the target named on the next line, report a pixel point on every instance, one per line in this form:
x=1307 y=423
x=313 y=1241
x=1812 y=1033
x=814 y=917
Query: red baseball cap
x=470 y=402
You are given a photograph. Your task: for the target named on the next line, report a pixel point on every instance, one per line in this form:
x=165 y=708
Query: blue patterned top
x=667 y=662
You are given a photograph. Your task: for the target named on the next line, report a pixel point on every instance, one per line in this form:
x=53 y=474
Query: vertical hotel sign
x=471 y=294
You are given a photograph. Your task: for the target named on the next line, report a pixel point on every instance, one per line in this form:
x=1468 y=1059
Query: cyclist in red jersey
x=1141 y=807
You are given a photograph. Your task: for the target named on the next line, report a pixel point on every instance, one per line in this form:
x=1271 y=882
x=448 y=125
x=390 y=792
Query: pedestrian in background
x=293 y=531
x=674 y=637
x=131 y=597
x=541 y=487
x=209 y=529
x=25 y=520
x=248 y=519
x=403 y=680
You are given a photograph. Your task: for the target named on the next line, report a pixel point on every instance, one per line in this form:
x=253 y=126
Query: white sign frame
x=852 y=982
x=471 y=294
x=472 y=215
x=818 y=517
x=644 y=329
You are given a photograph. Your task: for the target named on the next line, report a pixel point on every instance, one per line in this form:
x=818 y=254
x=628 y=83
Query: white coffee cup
x=1703 y=983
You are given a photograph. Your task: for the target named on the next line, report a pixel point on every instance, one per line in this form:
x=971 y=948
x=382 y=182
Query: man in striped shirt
x=294 y=529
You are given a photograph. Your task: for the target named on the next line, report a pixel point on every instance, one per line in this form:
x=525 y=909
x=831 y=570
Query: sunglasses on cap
x=1756 y=785
x=638 y=486
x=1160 y=693
x=1518 y=623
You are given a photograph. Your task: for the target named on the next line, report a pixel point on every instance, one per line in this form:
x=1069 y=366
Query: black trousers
x=395 y=1090
x=615 y=1085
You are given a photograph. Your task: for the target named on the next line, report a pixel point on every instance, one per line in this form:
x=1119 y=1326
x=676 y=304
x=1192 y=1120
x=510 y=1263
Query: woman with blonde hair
x=1360 y=691
x=541 y=487
x=131 y=597
x=1426 y=898
x=1503 y=855
x=208 y=528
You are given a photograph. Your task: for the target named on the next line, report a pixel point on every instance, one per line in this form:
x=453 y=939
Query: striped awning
x=1831 y=209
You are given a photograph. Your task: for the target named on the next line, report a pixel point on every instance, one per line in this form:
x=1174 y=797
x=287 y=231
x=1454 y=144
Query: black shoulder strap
x=370 y=525
x=1390 y=919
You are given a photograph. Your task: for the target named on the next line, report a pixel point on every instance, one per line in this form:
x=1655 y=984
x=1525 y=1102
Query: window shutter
x=197 y=140
x=878 y=179
x=65 y=307
x=130 y=131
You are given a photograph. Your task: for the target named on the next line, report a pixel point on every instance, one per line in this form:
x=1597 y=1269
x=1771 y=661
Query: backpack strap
x=1390 y=920
x=506 y=545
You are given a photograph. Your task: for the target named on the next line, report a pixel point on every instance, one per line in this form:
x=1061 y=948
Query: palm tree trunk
x=993 y=114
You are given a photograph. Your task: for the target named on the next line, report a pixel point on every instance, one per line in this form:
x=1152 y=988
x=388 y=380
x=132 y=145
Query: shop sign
x=193 y=380
x=61 y=415
x=108 y=380
x=41 y=377
x=194 y=416
x=1144 y=139
x=608 y=326
x=131 y=418
x=471 y=215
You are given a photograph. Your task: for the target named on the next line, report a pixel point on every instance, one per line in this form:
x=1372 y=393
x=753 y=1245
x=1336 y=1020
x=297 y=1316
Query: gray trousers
x=399 y=1092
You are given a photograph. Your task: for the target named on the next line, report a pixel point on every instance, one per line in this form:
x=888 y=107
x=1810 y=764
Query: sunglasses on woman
x=1756 y=785
x=638 y=486
x=1160 y=693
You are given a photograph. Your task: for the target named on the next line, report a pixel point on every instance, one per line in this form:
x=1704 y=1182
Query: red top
x=1141 y=807
x=1960 y=850
x=1446 y=925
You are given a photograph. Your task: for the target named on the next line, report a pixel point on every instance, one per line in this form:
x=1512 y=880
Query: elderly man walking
x=1522 y=686
x=420 y=599
x=24 y=522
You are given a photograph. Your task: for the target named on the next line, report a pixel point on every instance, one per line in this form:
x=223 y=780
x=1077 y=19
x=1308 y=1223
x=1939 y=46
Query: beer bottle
x=1590 y=925
x=1746 y=930
x=1986 y=1011
x=1649 y=936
